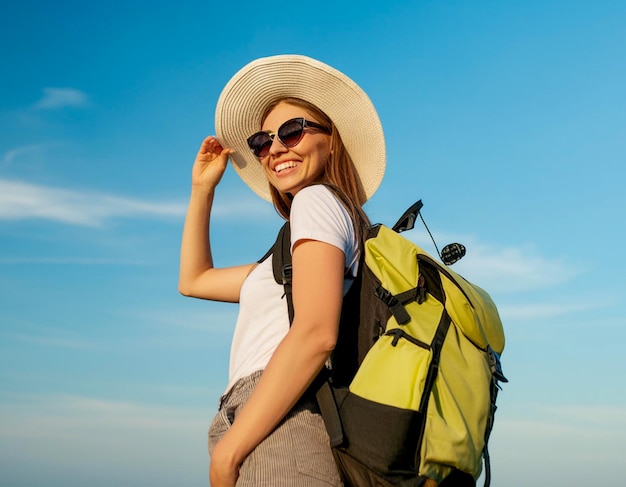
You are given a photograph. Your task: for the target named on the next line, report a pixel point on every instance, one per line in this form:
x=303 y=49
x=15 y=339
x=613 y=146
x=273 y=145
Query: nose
x=277 y=147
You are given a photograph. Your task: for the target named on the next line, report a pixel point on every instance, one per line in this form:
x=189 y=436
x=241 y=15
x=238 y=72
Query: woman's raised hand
x=210 y=164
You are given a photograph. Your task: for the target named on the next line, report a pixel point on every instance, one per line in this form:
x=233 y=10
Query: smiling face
x=291 y=169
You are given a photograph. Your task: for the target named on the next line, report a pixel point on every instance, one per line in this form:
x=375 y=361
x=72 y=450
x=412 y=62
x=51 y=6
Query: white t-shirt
x=263 y=320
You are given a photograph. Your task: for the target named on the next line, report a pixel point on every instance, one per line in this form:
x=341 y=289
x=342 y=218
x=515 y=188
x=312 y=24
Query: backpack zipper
x=398 y=333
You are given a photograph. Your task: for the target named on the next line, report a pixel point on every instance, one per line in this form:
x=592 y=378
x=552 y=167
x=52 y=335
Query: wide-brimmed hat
x=247 y=95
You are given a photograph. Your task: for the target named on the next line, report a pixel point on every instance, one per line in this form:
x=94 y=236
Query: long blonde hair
x=340 y=174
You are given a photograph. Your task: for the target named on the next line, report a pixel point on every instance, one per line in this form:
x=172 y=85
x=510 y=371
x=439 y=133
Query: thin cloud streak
x=508 y=269
x=514 y=269
x=13 y=155
x=35 y=415
x=58 y=98
x=22 y=201
x=55 y=342
x=70 y=261
x=73 y=430
x=205 y=319
x=536 y=311
x=586 y=439
x=570 y=425
x=607 y=417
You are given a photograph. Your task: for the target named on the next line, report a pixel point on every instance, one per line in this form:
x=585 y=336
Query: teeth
x=284 y=165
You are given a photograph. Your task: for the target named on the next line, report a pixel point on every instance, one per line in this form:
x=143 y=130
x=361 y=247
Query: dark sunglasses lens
x=290 y=132
x=260 y=144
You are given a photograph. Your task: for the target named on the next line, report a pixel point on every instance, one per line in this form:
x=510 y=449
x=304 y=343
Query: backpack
x=411 y=388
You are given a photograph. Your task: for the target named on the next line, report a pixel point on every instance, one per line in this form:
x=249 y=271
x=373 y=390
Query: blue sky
x=508 y=119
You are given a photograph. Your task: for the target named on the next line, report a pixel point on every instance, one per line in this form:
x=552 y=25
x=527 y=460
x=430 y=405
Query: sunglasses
x=289 y=134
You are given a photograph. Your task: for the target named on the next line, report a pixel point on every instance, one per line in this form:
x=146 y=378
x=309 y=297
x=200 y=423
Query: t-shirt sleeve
x=317 y=214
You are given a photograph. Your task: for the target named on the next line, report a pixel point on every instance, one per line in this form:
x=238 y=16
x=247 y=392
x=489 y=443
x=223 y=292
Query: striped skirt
x=296 y=454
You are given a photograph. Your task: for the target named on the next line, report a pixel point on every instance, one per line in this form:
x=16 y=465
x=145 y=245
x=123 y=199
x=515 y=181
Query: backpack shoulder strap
x=320 y=388
x=281 y=264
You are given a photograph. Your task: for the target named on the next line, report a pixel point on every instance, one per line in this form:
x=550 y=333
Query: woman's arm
x=318 y=271
x=198 y=277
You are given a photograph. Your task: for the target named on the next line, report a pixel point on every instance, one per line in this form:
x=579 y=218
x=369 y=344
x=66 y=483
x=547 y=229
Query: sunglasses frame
x=259 y=151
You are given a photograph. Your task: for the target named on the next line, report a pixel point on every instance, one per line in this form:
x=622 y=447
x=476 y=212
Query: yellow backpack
x=411 y=391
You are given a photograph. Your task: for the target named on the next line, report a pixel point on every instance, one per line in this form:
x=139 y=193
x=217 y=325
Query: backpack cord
x=431 y=235
x=494 y=388
x=497 y=377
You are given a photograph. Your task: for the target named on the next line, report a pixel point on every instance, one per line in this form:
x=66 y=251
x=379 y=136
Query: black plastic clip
x=495 y=365
x=287 y=274
x=395 y=306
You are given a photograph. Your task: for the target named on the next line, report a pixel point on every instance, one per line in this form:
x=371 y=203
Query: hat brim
x=252 y=89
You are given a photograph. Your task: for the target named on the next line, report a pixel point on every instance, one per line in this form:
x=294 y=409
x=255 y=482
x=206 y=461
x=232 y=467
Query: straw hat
x=247 y=95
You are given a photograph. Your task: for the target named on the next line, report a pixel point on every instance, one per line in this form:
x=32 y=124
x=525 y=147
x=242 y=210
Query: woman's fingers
x=210 y=163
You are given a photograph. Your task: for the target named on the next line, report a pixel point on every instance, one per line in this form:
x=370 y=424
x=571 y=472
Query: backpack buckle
x=495 y=365
x=395 y=306
x=287 y=274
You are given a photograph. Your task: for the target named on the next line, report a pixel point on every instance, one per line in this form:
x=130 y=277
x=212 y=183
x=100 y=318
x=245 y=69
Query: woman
x=306 y=137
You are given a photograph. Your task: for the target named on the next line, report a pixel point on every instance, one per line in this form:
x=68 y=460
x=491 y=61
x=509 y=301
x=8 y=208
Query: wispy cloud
x=536 y=311
x=574 y=438
x=28 y=151
x=608 y=417
x=45 y=335
x=517 y=268
x=208 y=317
x=507 y=269
x=244 y=206
x=58 y=98
x=76 y=410
x=55 y=342
x=71 y=261
x=44 y=417
x=70 y=430
x=22 y=200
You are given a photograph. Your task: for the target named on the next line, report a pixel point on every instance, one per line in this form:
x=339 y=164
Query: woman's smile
x=289 y=169
x=283 y=166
